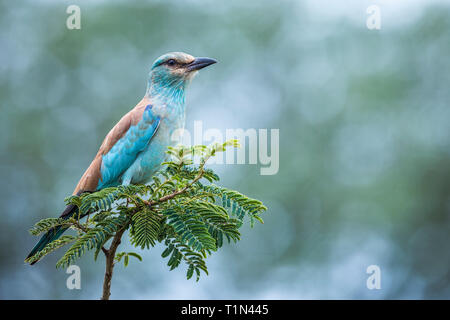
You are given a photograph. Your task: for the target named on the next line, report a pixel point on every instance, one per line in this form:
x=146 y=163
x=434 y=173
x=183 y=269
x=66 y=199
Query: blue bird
x=136 y=146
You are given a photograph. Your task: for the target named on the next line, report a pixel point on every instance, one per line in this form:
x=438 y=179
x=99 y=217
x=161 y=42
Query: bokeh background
x=364 y=121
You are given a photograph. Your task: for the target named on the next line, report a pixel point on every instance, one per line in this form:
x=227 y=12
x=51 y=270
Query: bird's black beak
x=200 y=63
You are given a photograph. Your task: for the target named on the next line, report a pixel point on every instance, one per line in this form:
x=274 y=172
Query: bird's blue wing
x=122 y=155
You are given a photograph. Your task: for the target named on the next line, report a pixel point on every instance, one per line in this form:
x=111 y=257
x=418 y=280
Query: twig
x=178 y=192
x=110 y=255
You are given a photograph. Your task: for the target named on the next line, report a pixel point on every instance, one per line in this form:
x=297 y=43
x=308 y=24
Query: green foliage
x=103 y=200
x=239 y=204
x=145 y=228
x=46 y=224
x=126 y=256
x=189 y=217
x=178 y=252
x=93 y=238
x=52 y=246
x=191 y=230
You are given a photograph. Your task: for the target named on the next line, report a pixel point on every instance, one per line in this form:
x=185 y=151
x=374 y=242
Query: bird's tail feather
x=53 y=233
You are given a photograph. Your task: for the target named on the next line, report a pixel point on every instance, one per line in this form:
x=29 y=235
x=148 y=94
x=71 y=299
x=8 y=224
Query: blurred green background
x=364 y=139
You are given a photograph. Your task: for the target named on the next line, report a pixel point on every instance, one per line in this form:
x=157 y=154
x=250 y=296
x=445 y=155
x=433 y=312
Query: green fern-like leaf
x=145 y=229
x=180 y=252
x=46 y=224
x=93 y=238
x=217 y=221
x=103 y=200
x=191 y=230
x=125 y=256
x=238 y=204
x=86 y=242
x=52 y=246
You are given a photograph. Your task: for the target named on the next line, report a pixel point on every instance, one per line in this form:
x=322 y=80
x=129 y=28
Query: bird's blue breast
x=126 y=150
x=148 y=162
x=138 y=155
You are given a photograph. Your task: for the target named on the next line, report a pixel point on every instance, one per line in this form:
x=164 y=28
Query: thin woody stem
x=110 y=254
x=178 y=192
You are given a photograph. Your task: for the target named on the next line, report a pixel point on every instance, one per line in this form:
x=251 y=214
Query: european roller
x=136 y=146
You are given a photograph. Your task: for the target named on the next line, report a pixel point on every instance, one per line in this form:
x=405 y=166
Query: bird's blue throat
x=168 y=89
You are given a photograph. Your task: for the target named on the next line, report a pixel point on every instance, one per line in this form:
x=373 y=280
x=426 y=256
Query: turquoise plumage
x=125 y=151
x=136 y=146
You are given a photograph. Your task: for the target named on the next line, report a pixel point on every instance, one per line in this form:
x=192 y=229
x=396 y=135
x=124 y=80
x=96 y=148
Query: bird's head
x=173 y=71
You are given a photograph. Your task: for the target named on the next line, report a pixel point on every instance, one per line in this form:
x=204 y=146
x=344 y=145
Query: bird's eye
x=171 y=62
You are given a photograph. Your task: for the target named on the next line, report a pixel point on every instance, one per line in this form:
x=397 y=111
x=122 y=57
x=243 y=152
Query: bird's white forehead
x=178 y=56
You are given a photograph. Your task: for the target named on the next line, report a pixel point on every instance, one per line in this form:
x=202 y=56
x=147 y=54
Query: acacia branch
x=110 y=253
x=178 y=192
x=79 y=226
x=182 y=191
